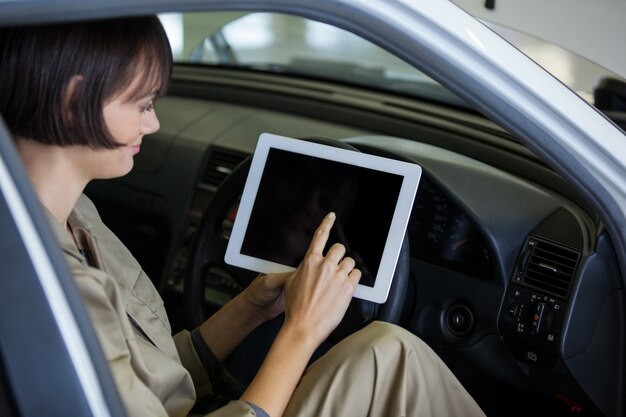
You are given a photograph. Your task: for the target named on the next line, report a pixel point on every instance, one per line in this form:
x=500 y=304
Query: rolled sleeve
x=239 y=409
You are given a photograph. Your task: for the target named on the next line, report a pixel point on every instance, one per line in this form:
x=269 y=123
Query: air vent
x=548 y=267
x=221 y=163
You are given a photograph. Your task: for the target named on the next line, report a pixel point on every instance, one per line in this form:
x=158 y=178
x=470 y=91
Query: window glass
x=294 y=45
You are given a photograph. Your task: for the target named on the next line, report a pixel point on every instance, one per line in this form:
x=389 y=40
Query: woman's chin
x=117 y=171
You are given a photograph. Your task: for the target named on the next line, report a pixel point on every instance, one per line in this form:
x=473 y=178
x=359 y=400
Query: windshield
x=294 y=45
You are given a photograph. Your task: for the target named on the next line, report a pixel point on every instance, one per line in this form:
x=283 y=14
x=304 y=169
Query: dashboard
x=443 y=234
x=511 y=281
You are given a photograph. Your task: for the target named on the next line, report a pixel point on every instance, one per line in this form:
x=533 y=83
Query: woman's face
x=128 y=120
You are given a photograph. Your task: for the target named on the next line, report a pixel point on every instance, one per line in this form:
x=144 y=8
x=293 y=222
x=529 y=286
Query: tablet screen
x=292 y=184
x=296 y=191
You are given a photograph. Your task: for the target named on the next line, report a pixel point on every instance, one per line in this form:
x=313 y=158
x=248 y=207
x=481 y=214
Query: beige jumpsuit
x=381 y=370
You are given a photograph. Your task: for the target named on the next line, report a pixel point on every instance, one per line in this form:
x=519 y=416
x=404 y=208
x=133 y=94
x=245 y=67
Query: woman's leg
x=384 y=371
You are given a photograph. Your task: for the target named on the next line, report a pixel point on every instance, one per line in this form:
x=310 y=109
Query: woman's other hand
x=265 y=295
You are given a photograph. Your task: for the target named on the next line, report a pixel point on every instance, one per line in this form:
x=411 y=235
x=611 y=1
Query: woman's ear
x=68 y=102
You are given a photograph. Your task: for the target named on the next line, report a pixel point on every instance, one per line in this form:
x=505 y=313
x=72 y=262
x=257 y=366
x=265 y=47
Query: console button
x=538 y=317
x=515 y=310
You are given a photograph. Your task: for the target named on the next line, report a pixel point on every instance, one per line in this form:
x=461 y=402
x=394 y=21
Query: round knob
x=459 y=320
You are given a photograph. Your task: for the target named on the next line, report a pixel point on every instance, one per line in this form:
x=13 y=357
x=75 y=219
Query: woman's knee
x=387 y=335
x=378 y=343
x=393 y=345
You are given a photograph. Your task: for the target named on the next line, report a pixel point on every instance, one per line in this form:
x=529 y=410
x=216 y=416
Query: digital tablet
x=293 y=184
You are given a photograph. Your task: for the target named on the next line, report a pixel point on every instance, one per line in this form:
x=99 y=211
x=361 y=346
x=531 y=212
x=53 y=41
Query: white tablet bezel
x=411 y=174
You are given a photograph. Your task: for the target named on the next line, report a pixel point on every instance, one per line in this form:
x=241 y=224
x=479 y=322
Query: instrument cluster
x=441 y=233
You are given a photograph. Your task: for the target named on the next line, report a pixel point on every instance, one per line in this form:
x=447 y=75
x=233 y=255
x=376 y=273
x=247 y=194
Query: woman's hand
x=318 y=293
x=316 y=298
x=262 y=300
x=265 y=295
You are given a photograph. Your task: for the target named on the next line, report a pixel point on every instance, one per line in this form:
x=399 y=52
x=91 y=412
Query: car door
x=50 y=359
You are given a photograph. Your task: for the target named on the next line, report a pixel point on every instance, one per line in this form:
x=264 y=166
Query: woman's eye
x=148 y=107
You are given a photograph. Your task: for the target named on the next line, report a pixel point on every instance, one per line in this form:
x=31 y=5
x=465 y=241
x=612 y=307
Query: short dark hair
x=37 y=64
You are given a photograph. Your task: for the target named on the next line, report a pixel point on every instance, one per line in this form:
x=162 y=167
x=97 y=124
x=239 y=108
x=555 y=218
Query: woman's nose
x=151 y=123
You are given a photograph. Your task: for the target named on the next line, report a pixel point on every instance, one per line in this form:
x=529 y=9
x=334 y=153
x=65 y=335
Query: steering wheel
x=209 y=247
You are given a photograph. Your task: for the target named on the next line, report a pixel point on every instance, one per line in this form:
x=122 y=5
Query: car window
x=287 y=44
x=293 y=45
x=577 y=72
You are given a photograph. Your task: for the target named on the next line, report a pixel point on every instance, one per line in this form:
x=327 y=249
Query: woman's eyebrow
x=150 y=95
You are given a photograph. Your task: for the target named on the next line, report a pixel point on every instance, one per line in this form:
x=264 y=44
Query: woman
x=78 y=99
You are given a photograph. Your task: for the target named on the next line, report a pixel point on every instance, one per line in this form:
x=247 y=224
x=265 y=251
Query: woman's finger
x=354 y=276
x=336 y=253
x=321 y=234
x=346 y=265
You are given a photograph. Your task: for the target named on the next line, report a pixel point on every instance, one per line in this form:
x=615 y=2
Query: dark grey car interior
x=513 y=278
